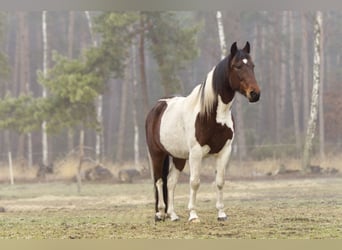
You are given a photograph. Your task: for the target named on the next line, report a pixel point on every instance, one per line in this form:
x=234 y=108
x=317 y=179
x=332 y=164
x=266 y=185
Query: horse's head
x=241 y=73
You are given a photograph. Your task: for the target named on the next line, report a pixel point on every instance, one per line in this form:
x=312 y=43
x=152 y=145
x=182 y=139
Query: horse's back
x=171 y=123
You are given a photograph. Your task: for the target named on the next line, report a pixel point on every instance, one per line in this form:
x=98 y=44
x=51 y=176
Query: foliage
x=72 y=89
x=116 y=34
x=73 y=84
x=171 y=45
x=22 y=114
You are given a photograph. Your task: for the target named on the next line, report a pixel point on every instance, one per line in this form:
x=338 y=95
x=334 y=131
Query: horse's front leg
x=221 y=164
x=195 y=162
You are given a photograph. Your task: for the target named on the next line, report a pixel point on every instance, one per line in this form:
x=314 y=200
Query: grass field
x=263 y=209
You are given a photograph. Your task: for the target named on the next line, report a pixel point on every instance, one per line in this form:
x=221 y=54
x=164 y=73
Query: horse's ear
x=233 y=49
x=247 y=48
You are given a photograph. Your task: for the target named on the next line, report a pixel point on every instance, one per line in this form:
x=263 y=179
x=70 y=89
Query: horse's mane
x=213 y=85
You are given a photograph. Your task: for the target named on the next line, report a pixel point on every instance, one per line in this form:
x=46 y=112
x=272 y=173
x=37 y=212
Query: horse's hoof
x=222 y=218
x=176 y=218
x=195 y=220
x=157 y=218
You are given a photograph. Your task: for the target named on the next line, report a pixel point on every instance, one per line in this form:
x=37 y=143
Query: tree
x=99 y=134
x=71 y=30
x=142 y=66
x=135 y=106
x=172 y=46
x=44 y=93
x=315 y=92
x=73 y=87
x=321 y=101
x=293 y=85
x=222 y=38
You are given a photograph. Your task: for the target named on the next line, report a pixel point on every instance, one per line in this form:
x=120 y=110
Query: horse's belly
x=173 y=135
x=173 y=138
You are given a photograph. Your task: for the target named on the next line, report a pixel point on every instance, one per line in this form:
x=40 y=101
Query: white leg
x=160 y=215
x=171 y=185
x=221 y=164
x=195 y=160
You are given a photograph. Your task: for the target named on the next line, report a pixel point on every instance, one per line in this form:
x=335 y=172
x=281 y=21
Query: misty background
x=142 y=56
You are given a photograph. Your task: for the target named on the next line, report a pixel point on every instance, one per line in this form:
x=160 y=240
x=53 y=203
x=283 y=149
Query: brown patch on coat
x=209 y=132
x=152 y=127
x=179 y=163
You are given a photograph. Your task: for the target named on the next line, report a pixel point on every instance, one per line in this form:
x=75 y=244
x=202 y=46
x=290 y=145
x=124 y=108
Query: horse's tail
x=165 y=173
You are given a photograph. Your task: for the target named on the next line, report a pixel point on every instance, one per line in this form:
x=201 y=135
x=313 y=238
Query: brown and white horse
x=198 y=125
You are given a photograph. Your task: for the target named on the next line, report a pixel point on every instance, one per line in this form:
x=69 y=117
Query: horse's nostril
x=254 y=95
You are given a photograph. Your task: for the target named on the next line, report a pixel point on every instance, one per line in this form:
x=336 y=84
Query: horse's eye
x=237 y=66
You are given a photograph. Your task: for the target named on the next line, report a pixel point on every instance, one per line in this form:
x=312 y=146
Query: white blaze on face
x=245 y=61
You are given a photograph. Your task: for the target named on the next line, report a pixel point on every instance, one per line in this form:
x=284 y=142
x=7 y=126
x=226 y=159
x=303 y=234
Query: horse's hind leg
x=158 y=161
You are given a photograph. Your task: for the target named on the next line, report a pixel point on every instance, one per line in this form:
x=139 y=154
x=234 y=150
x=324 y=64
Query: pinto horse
x=181 y=129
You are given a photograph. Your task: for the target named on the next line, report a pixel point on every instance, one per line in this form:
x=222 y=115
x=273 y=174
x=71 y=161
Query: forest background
x=103 y=71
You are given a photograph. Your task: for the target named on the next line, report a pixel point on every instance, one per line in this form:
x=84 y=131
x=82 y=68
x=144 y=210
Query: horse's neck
x=223 y=110
x=220 y=82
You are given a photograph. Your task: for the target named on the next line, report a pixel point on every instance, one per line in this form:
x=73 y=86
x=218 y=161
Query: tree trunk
x=122 y=117
x=142 y=65
x=283 y=79
x=99 y=133
x=44 y=94
x=293 y=85
x=277 y=80
x=26 y=79
x=21 y=89
x=221 y=35
x=24 y=85
x=315 y=93
x=134 y=108
x=70 y=55
x=305 y=64
x=81 y=158
x=321 y=95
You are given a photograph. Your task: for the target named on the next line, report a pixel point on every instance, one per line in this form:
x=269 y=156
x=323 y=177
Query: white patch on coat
x=177 y=130
x=161 y=203
x=224 y=113
x=245 y=61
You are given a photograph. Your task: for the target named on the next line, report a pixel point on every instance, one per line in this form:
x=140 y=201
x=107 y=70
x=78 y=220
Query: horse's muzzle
x=254 y=96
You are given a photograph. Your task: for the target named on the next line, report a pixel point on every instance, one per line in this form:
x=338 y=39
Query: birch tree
x=321 y=110
x=71 y=29
x=315 y=92
x=44 y=93
x=222 y=38
x=135 y=106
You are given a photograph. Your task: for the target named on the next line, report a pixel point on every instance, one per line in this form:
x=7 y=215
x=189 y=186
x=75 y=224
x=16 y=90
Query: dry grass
x=66 y=168
x=282 y=209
